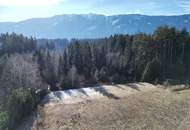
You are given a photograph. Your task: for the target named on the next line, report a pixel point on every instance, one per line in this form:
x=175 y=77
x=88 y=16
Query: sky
x=18 y=10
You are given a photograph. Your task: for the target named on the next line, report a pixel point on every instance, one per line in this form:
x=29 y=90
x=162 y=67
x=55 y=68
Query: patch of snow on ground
x=106 y=91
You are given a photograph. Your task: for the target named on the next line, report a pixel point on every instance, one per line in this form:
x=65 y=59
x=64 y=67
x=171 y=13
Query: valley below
x=137 y=106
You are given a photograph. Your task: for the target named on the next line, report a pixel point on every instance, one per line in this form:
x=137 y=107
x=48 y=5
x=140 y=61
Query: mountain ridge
x=93 y=25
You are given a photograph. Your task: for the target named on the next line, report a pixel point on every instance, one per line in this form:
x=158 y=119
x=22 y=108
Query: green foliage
x=3 y=120
x=119 y=58
x=152 y=72
x=13 y=43
x=127 y=58
x=21 y=102
x=65 y=85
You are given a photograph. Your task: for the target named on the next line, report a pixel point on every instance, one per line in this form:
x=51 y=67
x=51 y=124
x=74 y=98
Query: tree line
x=153 y=58
x=165 y=54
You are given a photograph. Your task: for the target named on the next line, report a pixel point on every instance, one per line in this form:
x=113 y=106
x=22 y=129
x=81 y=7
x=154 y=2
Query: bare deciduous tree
x=72 y=74
x=21 y=71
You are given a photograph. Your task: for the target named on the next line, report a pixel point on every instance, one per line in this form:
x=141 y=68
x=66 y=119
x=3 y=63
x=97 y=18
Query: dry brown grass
x=154 y=109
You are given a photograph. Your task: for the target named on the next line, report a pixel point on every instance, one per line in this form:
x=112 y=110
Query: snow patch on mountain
x=55 y=23
x=115 y=21
x=186 y=21
x=118 y=27
x=130 y=22
x=16 y=26
x=98 y=26
x=91 y=28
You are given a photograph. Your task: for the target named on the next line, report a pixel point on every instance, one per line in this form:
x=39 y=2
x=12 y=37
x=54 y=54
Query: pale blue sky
x=17 y=10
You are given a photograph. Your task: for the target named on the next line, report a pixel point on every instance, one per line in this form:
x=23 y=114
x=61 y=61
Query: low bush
x=21 y=102
x=3 y=120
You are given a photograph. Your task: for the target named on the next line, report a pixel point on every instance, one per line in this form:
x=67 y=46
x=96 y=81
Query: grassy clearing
x=155 y=109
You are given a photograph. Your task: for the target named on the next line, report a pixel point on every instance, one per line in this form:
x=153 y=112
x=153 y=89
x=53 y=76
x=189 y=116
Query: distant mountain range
x=92 y=25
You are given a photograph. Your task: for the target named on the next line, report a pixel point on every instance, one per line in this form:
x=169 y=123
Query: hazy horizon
x=91 y=14
x=18 y=10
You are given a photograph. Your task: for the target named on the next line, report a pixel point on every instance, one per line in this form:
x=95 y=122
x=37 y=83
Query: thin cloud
x=185 y=5
x=8 y=3
x=1 y=8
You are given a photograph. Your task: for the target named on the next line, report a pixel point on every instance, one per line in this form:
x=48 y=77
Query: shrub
x=21 y=102
x=151 y=72
x=3 y=120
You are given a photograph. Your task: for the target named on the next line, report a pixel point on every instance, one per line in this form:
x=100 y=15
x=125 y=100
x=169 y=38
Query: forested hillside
x=93 y=25
x=117 y=59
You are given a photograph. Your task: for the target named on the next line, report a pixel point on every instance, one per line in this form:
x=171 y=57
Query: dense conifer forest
x=116 y=59
x=152 y=58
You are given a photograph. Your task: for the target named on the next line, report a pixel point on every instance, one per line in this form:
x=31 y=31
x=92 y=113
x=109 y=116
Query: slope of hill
x=137 y=106
x=92 y=25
